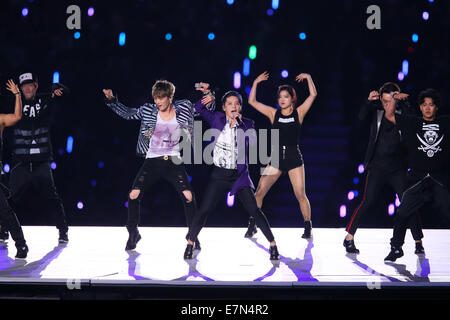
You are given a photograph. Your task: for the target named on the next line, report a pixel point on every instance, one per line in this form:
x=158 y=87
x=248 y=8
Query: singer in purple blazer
x=230 y=167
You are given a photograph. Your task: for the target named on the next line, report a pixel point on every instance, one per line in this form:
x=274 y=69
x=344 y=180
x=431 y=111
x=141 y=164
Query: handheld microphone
x=238 y=120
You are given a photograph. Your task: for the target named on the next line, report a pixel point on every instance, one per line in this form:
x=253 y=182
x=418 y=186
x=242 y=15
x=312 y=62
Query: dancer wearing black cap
x=32 y=150
x=288 y=120
x=8 y=216
x=384 y=161
x=427 y=145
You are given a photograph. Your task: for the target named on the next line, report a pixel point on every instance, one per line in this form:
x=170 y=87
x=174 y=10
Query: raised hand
x=11 y=86
x=373 y=95
x=262 y=77
x=400 y=96
x=108 y=94
x=302 y=76
x=57 y=92
x=208 y=99
x=204 y=87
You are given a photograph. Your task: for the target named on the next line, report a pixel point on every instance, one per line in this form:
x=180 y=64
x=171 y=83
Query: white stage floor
x=97 y=255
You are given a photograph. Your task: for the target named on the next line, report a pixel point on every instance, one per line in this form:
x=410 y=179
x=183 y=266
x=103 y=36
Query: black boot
x=394 y=254
x=63 y=236
x=4 y=236
x=350 y=246
x=251 y=228
x=308 y=230
x=133 y=239
x=419 y=248
x=197 y=245
x=22 y=251
x=189 y=251
x=274 y=255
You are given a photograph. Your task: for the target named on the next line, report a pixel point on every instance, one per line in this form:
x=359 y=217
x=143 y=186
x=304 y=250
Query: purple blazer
x=217 y=120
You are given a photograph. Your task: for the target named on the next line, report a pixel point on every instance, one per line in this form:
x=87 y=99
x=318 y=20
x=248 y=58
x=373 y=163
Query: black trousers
x=376 y=181
x=9 y=219
x=427 y=189
x=220 y=184
x=39 y=175
x=151 y=172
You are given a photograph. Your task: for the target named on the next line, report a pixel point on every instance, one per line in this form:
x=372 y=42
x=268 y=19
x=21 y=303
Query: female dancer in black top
x=288 y=121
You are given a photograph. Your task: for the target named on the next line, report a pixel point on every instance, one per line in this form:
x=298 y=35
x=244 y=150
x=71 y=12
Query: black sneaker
x=419 y=248
x=4 y=236
x=63 y=237
x=308 y=230
x=274 y=255
x=188 y=252
x=22 y=252
x=133 y=239
x=251 y=229
x=394 y=254
x=197 y=245
x=350 y=246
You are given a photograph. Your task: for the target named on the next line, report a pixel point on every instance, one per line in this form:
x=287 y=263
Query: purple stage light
x=351 y=195
x=391 y=209
x=343 y=211
x=53 y=165
x=361 y=169
x=80 y=205
x=230 y=200
x=90 y=11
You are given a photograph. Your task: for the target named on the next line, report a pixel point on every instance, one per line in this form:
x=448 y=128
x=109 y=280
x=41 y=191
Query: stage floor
x=97 y=254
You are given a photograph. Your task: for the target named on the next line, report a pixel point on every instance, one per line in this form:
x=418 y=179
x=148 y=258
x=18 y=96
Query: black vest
x=31 y=135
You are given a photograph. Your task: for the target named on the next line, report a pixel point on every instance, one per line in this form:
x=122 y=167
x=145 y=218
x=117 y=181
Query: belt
x=164 y=158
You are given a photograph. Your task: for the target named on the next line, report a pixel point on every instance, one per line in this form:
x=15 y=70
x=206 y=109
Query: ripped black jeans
x=151 y=172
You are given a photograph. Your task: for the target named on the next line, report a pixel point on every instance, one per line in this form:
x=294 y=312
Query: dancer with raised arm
x=9 y=218
x=427 y=145
x=384 y=162
x=288 y=120
x=230 y=169
x=162 y=125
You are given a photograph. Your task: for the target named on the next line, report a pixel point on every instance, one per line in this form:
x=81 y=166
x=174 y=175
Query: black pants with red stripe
x=376 y=180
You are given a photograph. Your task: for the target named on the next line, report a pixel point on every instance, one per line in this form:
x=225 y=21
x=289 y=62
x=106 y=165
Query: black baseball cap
x=27 y=77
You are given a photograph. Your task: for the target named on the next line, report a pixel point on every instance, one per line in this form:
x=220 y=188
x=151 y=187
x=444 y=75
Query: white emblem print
x=431 y=141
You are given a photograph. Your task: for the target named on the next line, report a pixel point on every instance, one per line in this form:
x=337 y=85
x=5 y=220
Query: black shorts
x=289 y=157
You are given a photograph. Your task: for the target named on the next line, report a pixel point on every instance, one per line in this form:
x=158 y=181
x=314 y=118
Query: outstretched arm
x=7 y=120
x=269 y=112
x=306 y=105
x=123 y=111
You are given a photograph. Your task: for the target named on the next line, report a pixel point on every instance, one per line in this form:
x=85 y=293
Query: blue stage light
x=246 y=67
x=56 y=77
x=168 y=36
x=275 y=4
x=69 y=144
x=122 y=39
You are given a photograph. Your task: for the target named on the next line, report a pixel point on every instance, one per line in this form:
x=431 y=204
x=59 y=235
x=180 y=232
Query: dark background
x=345 y=59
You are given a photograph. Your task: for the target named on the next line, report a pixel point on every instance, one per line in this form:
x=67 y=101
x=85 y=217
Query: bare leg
x=297 y=177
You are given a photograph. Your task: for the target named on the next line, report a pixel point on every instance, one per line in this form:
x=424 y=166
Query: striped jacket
x=147 y=113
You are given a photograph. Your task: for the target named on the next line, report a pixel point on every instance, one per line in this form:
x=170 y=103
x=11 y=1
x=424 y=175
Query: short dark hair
x=232 y=94
x=163 y=88
x=290 y=89
x=389 y=87
x=430 y=93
